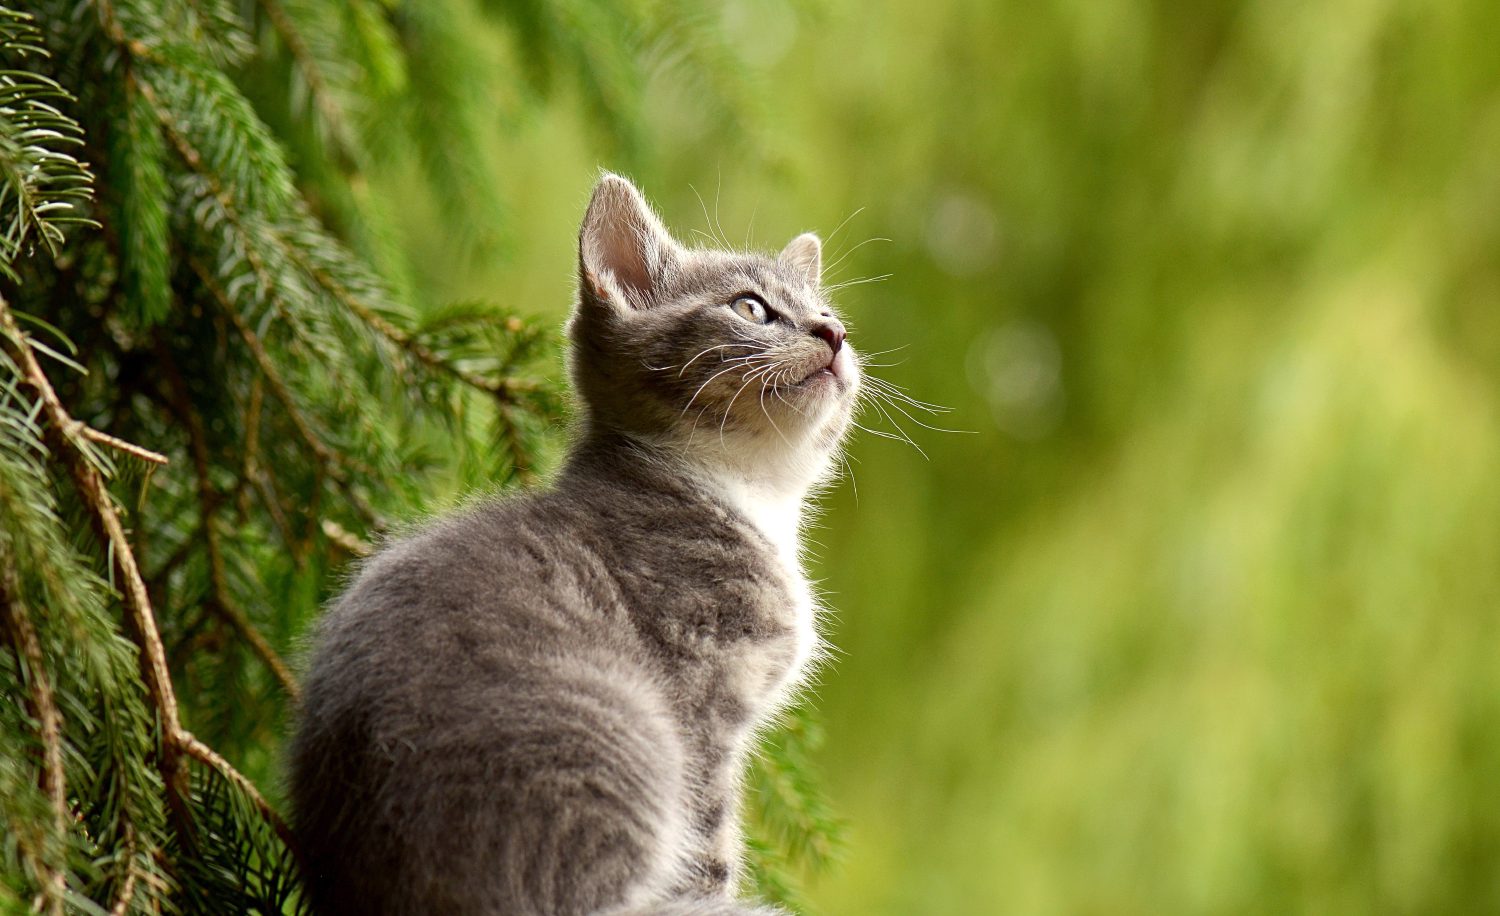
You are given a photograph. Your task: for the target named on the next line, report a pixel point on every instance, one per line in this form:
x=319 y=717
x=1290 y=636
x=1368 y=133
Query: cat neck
x=775 y=511
x=771 y=494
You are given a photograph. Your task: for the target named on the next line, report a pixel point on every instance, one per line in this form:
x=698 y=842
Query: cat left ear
x=623 y=249
x=805 y=254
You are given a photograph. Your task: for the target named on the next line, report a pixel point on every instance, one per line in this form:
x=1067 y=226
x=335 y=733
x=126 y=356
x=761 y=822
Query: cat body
x=543 y=704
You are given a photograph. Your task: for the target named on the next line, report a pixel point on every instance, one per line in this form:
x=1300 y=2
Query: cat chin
x=824 y=392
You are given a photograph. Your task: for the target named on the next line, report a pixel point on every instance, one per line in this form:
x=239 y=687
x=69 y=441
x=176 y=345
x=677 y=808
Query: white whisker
x=749 y=378
x=710 y=350
x=736 y=362
x=840 y=226
x=846 y=254
x=859 y=282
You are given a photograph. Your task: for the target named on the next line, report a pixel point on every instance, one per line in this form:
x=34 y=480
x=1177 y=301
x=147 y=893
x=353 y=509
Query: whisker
x=705 y=236
x=710 y=350
x=750 y=228
x=859 y=282
x=767 y=413
x=936 y=429
x=897 y=426
x=896 y=391
x=846 y=254
x=841 y=225
x=737 y=362
x=848 y=471
x=718 y=192
x=749 y=377
x=897 y=397
x=707 y=221
x=877 y=432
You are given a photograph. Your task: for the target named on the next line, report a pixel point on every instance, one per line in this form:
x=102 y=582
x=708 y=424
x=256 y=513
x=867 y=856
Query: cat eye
x=751 y=308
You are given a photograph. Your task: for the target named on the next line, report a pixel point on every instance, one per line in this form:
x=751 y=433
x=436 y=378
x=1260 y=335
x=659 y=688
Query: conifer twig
x=129 y=448
x=127 y=890
x=503 y=389
x=334 y=462
x=176 y=741
x=158 y=579
x=209 y=757
x=317 y=84
x=107 y=523
x=28 y=649
x=208 y=500
x=251 y=466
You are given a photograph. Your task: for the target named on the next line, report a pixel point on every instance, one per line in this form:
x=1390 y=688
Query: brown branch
x=209 y=757
x=106 y=521
x=111 y=25
x=209 y=501
x=127 y=893
x=271 y=498
x=503 y=389
x=177 y=743
x=327 y=456
x=127 y=890
x=252 y=446
x=28 y=649
x=129 y=448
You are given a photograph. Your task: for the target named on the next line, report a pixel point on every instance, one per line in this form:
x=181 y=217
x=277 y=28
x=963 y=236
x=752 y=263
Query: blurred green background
x=1200 y=615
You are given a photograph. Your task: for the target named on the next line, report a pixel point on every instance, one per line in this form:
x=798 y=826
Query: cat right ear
x=624 y=251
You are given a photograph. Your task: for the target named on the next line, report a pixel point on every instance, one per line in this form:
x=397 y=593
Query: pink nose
x=832 y=332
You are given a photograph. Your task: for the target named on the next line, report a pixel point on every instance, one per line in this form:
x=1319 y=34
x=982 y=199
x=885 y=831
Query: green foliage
x=201 y=258
x=42 y=183
x=792 y=831
x=1202 y=617
x=116 y=810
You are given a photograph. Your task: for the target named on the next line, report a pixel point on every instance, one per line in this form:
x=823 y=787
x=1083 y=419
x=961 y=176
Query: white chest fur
x=779 y=518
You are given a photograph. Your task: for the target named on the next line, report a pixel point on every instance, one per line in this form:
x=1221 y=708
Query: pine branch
x=127 y=887
x=137 y=164
x=129 y=448
x=333 y=463
x=102 y=510
x=207 y=756
x=176 y=742
x=42 y=185
x=221 y=601
x=16 y=621
x=215 y=27
x=335 y=120
x=502 y=389
x=208 y=501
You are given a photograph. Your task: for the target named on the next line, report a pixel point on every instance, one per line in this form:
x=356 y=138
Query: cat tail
x=701 y=906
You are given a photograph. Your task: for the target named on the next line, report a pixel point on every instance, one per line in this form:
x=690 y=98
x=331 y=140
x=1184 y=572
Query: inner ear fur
x=805 y=254
x=624 y=251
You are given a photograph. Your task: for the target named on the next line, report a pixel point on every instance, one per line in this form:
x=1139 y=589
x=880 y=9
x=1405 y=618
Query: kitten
x=542 y=705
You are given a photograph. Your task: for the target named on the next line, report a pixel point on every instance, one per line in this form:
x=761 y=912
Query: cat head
x=734 y=359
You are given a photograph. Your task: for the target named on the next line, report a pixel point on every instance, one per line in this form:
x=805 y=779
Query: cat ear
x=805 y=254
x=623 y=248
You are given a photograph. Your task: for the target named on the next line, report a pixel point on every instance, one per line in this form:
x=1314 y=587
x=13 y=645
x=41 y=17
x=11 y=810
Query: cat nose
x=830 y=330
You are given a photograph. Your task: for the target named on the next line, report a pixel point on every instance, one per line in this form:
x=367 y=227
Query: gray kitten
x=542 y=705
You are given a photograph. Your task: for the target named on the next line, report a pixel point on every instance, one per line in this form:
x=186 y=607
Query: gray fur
x=542 y=704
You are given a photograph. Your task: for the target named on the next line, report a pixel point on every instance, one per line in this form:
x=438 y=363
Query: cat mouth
x=825 y=373
x=829 y=375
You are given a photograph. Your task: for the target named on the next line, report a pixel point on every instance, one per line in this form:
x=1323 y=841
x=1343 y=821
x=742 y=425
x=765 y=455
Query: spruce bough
x=210 y=403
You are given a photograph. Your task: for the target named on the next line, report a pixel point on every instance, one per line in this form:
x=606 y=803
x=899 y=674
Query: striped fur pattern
x=543 y=704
